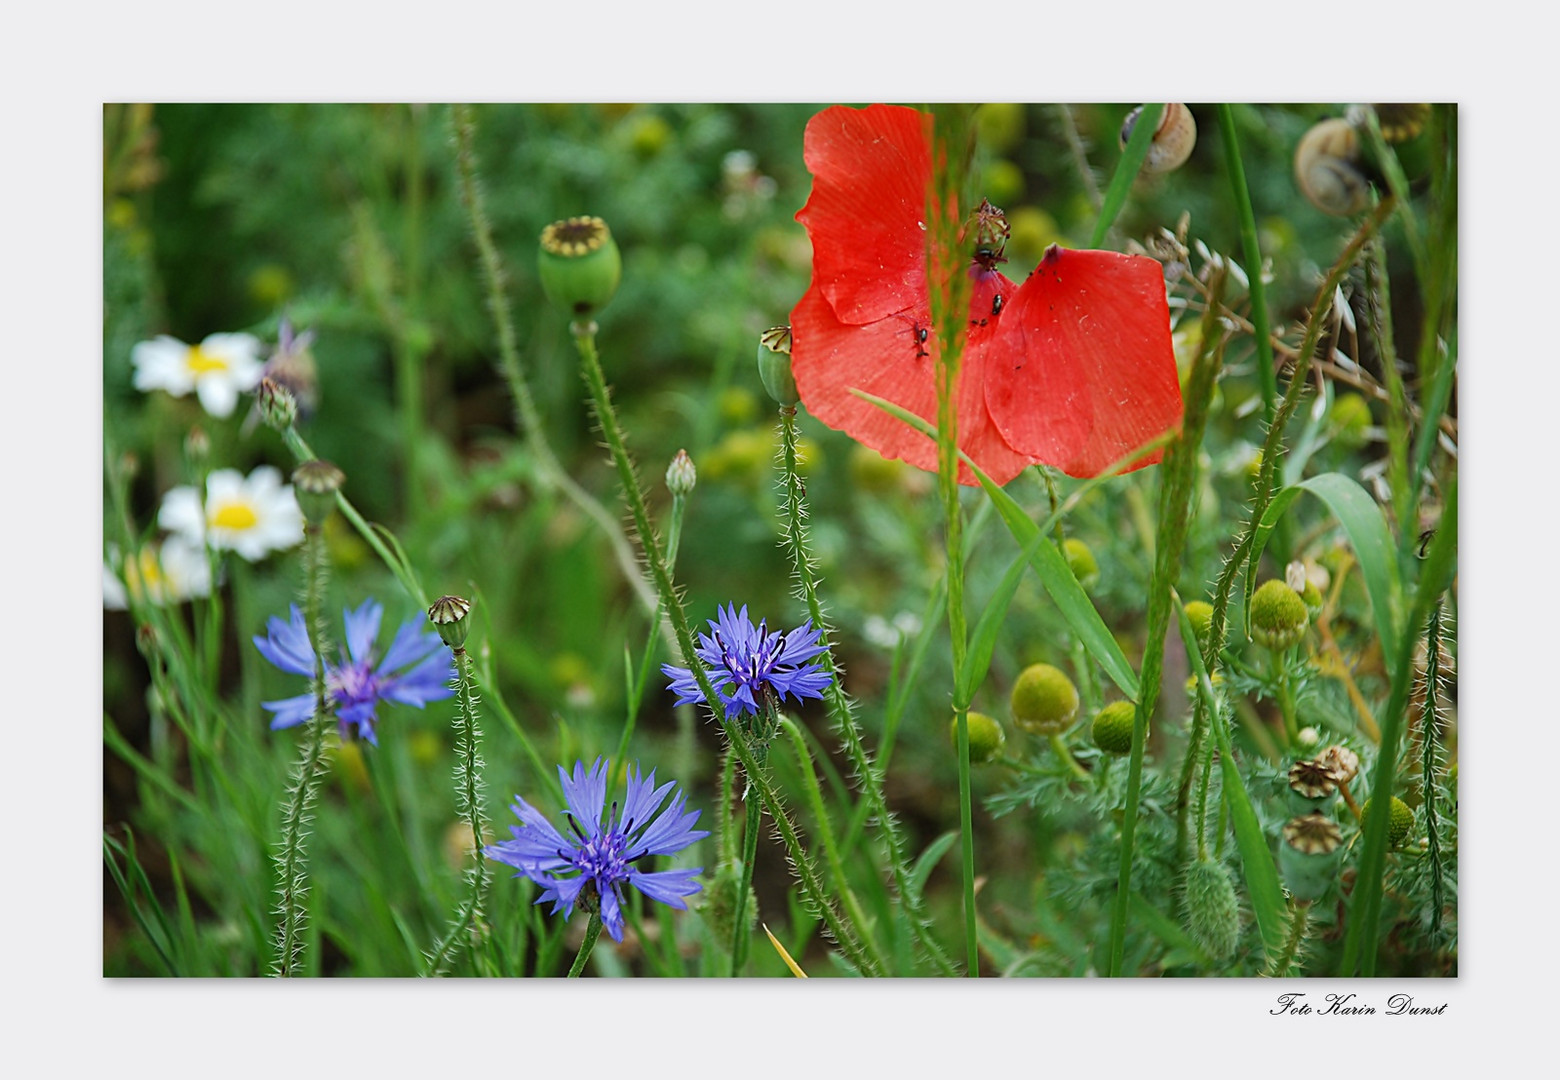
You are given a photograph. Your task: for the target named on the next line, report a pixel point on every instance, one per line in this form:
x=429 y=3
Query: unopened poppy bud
x=448 y=615
x=1400 y=820
x=1080 y=560
x=1211 y=909
x=986 y=737
x=681 y=475
x=1278 y=616
x=579 y=264
x=1112 y=728
x=774 y=365
x=315 y=483
x=1200 y=614
x=1044 y=700
x=1312 y=786
x=1308 y=855
x=278 y=407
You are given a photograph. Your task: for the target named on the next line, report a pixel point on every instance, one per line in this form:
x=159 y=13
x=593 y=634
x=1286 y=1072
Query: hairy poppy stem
x=816 y=899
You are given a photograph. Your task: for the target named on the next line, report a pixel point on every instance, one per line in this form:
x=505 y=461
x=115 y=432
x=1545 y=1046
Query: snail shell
x=1327 y=168
x=1173 y=140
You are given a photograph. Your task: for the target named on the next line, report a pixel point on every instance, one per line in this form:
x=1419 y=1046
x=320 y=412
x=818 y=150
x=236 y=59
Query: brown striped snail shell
x=1328 y=170
x=1173 y=139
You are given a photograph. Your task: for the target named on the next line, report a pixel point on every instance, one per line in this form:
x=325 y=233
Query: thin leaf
x=930 y=858
x=779 y=948
x=1366 y=528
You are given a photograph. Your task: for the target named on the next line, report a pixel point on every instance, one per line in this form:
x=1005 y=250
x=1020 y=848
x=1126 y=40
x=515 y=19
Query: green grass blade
x=930 y=858
x=1057 y=577
x=1366 y=528
x=1127 y=169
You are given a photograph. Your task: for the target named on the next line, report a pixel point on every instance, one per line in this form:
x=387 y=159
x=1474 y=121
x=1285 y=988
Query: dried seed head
x=448 y=615
x=1312 y=779
x=1341 y=761
x=1313 y=834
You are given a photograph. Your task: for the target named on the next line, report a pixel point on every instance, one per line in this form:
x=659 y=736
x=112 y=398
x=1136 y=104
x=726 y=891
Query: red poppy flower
x=1073 y=368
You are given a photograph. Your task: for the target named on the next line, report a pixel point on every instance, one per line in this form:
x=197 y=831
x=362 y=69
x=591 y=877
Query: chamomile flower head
x=219 y=369
x=590 y=863
x=252 y=515
x=744 y=662
x=415 y=670
x=167 y=573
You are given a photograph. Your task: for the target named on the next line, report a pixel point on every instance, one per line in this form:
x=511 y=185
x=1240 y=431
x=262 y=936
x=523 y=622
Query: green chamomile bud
x=1080 y=560
x=1044 y=700
x=1278 y=616
x=315 y=484
x=1312 y=786
x=1112 y=729
x=448 y=615
x=278 y=407
x=1400 y=822
x=1210 y=909
x=1200 y=614
x=1349 y=420
x=681 y=475
x=986 y=737
x=774 y=365
x=1308 y=855
x=579 y=265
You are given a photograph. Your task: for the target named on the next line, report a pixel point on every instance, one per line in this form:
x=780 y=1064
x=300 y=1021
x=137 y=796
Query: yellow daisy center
x=235 y=516
x=200 y=361
x=143 y=577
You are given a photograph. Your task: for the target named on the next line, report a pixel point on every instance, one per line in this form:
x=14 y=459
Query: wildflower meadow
x=780 y=541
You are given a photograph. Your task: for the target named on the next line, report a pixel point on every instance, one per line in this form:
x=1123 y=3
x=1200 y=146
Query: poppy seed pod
x=315 y=484
x=1308 y=855
x=1080 y=560
x=774 y=365
x=1278 y=616
x=986 y=737
x=1344 y=763
x=1400 y=822
x=1312 y=786
x=448 y=615
x=579 y=264
x=1044 y=700
x=1112 y=728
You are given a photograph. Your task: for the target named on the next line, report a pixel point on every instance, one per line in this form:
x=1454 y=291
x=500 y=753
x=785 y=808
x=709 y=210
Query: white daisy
x=251 y=515
x=169 y=573
x=218 y=369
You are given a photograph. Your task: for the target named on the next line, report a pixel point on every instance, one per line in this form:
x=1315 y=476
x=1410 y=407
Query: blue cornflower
x=356 y=685
x=603 y=853
x=741 y=658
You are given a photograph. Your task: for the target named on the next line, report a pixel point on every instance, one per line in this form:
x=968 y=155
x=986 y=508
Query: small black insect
x=919 y=333
x=1424 y=542
x=996 y=304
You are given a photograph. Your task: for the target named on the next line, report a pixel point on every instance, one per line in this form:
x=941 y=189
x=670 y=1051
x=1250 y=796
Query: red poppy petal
x=866 y=213
x=830 y=358
x=1087 y=371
